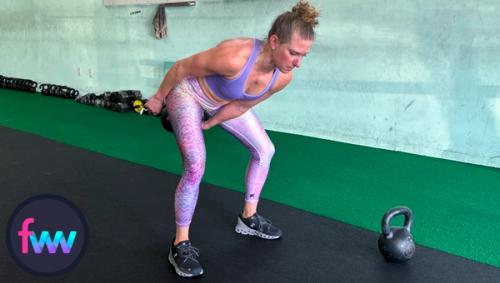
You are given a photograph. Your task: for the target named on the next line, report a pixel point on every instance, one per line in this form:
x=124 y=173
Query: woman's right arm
x=221 y=59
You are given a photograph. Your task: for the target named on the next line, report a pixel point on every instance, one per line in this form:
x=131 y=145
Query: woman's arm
x=237 y=108
x=222 y=59
x=227 y=112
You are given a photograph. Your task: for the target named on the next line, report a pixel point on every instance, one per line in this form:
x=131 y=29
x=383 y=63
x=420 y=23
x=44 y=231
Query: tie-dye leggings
x=185 y=105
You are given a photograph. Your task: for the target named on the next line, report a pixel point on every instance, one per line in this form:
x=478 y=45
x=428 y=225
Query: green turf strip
x=455 y=204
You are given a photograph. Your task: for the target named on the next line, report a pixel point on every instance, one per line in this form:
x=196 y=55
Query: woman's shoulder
x=237 y=48
x=235 y=52
x=240 y=42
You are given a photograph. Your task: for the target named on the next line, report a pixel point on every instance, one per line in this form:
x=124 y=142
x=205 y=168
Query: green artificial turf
x=454 y=204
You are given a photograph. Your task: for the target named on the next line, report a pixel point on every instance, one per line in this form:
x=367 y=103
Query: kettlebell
x=164 y=120
x=139 y=108
x=396 y=244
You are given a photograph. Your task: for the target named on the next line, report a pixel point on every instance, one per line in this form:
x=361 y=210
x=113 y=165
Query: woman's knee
x=265 y=152
x=194 y=167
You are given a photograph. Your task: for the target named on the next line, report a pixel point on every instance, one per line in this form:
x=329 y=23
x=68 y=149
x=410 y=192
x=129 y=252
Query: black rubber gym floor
x=129 y=210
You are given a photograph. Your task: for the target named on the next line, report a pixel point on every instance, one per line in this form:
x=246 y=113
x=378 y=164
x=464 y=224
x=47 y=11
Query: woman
x=226 y=82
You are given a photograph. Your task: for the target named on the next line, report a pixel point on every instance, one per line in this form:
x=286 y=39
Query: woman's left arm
x=237 y=108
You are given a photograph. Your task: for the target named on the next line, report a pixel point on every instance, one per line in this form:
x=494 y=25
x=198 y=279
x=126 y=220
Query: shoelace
x=190 y=252
x=263 y=221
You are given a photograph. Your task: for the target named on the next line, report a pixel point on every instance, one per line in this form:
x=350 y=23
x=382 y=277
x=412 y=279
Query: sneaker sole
x=177 y=270
x=242 y=228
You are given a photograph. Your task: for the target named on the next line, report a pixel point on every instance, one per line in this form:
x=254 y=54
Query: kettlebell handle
x=386 y=228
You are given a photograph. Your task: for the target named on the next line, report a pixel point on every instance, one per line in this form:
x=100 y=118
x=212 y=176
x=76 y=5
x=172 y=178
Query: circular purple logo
x=47 y=235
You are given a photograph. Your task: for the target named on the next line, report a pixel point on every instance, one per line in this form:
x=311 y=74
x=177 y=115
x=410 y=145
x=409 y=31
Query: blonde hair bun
x=306 y=12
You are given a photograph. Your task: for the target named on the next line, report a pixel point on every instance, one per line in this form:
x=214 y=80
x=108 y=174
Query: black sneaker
x=184 y=258
x=257 y=225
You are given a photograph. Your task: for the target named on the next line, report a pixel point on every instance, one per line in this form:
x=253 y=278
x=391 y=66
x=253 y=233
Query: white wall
x=409 y=75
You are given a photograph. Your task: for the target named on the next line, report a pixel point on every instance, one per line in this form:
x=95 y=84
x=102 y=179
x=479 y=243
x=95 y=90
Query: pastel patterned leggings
x=186 y=104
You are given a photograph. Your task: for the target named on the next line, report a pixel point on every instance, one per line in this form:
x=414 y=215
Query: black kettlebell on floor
x=396 y=244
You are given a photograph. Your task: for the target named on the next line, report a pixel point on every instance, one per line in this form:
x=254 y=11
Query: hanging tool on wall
x=160 y=22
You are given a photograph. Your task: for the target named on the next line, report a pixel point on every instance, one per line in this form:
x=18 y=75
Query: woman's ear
x=274 y=41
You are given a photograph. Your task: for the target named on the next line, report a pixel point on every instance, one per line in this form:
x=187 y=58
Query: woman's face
x=287 y=56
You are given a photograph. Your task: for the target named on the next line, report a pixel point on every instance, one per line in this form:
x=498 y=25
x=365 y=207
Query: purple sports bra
x=234 y=89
